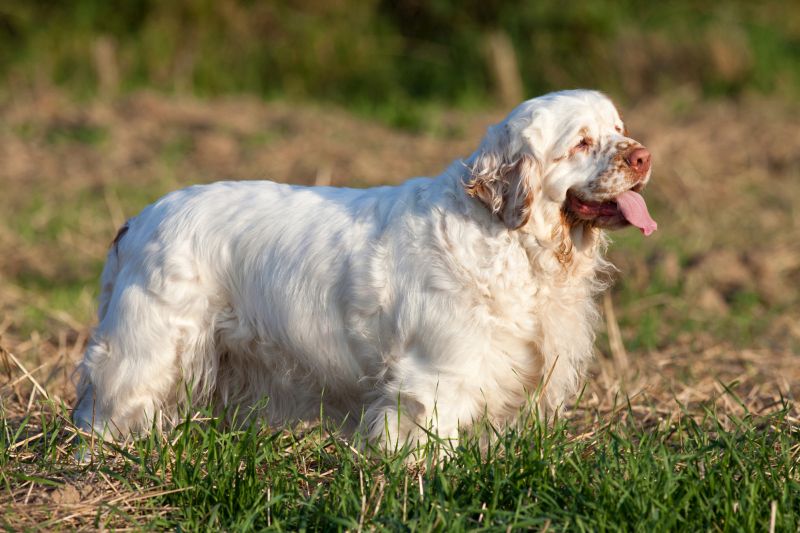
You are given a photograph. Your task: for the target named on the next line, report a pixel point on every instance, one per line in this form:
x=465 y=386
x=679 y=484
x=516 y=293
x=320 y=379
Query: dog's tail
x=111 y=270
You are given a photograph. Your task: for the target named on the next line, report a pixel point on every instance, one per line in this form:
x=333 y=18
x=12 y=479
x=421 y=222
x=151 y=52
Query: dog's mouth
x=628 y=208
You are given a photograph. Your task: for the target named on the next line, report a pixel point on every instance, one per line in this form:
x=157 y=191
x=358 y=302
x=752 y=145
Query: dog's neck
x=569 y=254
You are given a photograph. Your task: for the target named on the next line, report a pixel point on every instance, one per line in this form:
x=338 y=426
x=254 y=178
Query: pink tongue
x=635 y=211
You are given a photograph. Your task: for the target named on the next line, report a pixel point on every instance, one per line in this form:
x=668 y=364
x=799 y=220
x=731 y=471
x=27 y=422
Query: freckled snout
x=639 y=160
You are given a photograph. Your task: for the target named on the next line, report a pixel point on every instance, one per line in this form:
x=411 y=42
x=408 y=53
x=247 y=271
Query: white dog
x=428 y=305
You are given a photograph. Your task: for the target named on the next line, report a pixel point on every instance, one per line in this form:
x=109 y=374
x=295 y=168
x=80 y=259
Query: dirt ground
x=709 y=301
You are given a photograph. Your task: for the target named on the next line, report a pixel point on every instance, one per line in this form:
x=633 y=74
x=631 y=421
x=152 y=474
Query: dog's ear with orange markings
x=500 y=176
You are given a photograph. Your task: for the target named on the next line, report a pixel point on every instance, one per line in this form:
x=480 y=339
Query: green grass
x=714 y=473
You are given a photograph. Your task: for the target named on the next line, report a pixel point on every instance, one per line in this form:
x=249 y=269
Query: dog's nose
x=639 y=160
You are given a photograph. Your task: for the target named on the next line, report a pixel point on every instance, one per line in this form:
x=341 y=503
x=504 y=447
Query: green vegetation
x=713 y=473
x=383 y=57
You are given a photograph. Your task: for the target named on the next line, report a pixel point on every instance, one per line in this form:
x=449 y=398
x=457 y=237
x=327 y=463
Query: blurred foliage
x=377 y=54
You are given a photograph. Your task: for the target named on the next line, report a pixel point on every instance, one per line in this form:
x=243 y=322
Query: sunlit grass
x=712 y=472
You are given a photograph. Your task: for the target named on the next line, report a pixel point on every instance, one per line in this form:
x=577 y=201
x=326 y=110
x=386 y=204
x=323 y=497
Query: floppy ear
x=500 y=177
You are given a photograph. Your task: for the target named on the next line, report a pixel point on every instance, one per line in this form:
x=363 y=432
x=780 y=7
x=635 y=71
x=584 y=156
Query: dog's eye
x=584 y=144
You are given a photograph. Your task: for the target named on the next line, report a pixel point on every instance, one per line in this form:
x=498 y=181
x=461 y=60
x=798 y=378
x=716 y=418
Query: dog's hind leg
x=136 y=364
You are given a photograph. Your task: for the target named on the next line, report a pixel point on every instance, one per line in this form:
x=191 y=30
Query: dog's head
x=571 y=148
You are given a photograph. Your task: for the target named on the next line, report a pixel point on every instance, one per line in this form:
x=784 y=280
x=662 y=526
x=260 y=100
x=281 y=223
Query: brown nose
x=639 y=160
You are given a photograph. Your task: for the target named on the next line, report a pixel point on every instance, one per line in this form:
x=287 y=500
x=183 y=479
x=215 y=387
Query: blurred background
x=385 y=59
x=105 y=106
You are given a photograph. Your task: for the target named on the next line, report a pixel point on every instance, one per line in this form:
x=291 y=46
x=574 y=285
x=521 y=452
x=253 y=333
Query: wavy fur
x=429 y=304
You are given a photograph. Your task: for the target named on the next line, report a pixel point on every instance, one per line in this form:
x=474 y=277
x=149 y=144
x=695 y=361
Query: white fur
x=408 y=306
